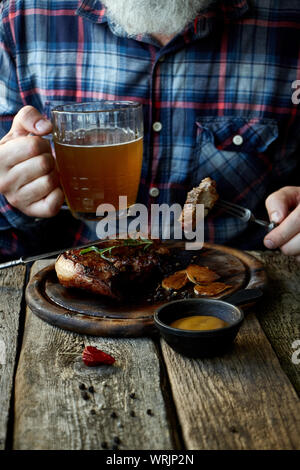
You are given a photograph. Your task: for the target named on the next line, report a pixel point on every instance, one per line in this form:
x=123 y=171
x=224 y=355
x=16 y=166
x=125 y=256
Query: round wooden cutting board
x=88 y=314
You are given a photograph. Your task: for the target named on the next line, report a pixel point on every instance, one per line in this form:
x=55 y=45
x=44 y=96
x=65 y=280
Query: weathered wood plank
x=50 y=411
x=11 y=292
x=242 y=400
x=279 y=312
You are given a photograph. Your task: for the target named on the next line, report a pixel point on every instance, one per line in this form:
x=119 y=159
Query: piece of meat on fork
x=206 y=194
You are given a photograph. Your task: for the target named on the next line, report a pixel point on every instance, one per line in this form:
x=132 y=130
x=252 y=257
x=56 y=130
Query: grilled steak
x=114 y=274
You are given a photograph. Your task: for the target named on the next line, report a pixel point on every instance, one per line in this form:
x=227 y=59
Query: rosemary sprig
x=131 y=242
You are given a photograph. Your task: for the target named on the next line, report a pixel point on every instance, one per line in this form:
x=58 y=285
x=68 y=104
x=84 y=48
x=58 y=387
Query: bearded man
x=218 y=82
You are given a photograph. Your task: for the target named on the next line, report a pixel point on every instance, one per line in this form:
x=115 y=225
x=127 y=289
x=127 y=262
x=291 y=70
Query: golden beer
x=94 y=175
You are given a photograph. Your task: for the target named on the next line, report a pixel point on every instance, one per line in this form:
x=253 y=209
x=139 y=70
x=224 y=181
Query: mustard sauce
x=199 y=322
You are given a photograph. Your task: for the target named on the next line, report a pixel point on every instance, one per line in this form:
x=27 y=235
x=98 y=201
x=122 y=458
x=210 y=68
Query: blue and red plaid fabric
x=229 y=73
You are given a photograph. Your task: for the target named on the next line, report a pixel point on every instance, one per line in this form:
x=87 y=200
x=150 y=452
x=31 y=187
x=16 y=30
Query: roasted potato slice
x=176 y=281
x=210 y=290
x=200 y=274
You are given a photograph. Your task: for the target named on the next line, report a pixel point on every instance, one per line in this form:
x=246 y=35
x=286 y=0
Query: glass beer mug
x=99 y=151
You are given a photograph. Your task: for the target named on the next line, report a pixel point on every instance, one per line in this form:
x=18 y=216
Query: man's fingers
x=47 y=207
x=281 y=202
x=28 y=121
x=292 y=247
x=285 y=231
x=28 y=177
x=37 y=189
x=20 y=149
x=283 y=207
x=29 y=170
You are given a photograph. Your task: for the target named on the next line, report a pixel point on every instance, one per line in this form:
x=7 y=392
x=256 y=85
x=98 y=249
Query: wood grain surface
x=85 y=313
x=279 y=312
x=242 y=400
x=52 y=412
x=11 y=292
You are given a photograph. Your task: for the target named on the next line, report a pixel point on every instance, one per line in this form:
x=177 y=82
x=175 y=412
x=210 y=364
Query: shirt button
x=157 y=126
x=154 y=192
x=238 y=140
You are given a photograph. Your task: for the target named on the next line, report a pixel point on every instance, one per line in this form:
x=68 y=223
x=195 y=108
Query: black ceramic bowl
x=206 y=343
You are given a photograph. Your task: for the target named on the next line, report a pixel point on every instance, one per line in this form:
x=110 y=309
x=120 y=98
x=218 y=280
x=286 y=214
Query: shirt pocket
x=235 y=153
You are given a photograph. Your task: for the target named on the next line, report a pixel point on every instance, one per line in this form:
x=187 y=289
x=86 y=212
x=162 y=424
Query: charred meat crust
x=127 y=269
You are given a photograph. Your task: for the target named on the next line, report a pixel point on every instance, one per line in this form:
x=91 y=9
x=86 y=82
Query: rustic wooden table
x=245 y=400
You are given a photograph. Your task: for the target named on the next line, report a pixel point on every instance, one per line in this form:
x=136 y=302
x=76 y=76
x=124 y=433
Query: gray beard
x=154 y=16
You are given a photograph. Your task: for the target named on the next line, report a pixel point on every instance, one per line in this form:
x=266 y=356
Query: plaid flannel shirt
x=229 y=73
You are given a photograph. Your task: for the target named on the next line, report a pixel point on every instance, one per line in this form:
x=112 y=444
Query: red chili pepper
x=92 y=356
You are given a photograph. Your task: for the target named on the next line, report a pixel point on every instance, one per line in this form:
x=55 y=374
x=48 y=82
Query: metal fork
x=244 y=214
